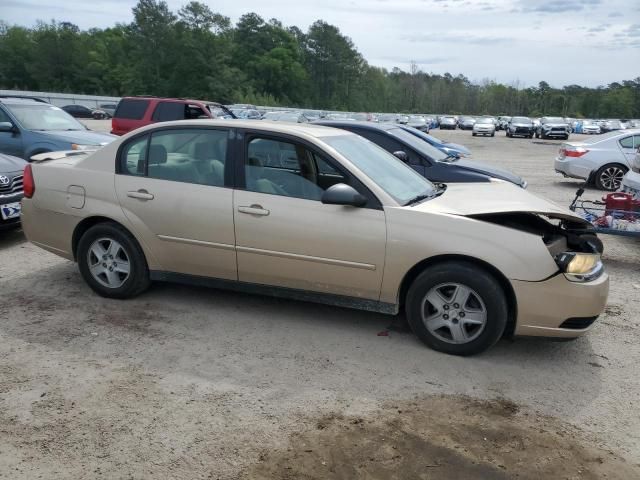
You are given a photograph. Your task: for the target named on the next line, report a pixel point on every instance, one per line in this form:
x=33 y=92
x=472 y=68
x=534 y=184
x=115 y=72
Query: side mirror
x=343 y=194
x=402 y=156
x=7 y=127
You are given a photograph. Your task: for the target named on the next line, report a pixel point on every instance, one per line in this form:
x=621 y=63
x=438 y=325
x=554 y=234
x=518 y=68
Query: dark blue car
x=446 y=147
x=429 y=161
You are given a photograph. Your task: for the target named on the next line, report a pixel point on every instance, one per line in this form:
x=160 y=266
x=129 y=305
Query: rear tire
x=609 y=177
x=457 y=308
x=112 y=262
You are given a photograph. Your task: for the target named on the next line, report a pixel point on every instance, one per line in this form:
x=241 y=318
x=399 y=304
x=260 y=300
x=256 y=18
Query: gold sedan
x=317 y=214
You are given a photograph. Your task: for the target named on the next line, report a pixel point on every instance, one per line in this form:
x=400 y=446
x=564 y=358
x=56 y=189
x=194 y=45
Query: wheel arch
x=418 y=268
x=86 y=224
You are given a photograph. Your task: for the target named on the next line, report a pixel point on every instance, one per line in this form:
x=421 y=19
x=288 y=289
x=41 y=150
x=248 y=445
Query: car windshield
x=520 y=120
x=418 y=145
x=484 y=120
x=400 y=181
x=414 y=119
x=45 y=117
x=553 y=120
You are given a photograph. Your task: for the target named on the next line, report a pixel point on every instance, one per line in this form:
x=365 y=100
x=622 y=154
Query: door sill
x=281 y=292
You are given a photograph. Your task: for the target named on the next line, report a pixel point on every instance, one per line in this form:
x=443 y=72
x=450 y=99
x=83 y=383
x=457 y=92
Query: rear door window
x=626 y=142
x=131 y=109
x=168 y=111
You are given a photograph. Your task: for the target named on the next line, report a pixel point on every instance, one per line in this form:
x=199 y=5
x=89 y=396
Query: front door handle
x=254 y=210
x=140 y=195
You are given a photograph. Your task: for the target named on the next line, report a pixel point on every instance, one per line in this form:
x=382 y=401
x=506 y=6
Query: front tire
x=609 y=177
x=112 y=262
x=457 y=308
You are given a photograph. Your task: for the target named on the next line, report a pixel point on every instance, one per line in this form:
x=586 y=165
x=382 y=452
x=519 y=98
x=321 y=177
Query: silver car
x=608 y=157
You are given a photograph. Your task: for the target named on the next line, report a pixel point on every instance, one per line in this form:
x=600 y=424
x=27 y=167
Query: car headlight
x=580 y=267
x=77 y=146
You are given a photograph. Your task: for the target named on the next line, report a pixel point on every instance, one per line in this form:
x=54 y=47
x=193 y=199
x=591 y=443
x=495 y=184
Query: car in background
x=314 y=114
x=448 y=123
x=362 y=116
x=317 y=214
x=520 y=127
x=502 y=123
x=466 y=123
x=419 y=122
x=612 y=126
x=247 y=113
x=338 y=116
x=631 y=180
x=29 y=127
x=108 y=108
x=292 y=117
x=428 y=161
x=11 y=173
x=607 y=157
x=82 y=111
x=553 y=127
x=450 y=149
x=590 y=128
x=136 y=112
x=484 y=126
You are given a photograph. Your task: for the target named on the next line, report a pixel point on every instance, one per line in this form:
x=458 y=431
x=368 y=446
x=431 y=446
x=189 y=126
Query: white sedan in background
x=631 y=181
x=608 y=157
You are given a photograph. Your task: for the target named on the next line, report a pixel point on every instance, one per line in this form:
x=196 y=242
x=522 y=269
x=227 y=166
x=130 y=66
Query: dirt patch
x=441 y=437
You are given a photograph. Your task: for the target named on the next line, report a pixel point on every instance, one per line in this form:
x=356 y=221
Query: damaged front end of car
x=571 y=241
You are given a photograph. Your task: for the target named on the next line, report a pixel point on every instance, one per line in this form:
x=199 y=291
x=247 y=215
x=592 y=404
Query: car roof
x=22 y=101
x=352 y=123
x=168 y=99
x=302 y=129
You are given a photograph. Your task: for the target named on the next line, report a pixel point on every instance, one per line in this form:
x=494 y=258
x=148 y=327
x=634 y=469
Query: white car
x=591 y=128
x=608 y=157
x=484 y=126
x=631 y=181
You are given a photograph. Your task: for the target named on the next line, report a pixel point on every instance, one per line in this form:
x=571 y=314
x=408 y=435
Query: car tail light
x=575 y=151
x=28 y=184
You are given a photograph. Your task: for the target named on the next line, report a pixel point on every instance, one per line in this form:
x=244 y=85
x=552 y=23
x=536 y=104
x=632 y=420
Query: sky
x=518 y=42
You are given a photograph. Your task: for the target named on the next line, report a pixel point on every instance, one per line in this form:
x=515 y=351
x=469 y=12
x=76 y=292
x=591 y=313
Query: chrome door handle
x=254 y=210
x=140 y=195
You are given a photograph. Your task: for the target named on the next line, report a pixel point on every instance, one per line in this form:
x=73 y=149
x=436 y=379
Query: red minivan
x=136 y=112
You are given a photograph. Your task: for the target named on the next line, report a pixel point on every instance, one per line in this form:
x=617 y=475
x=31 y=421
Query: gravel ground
x=189 y=382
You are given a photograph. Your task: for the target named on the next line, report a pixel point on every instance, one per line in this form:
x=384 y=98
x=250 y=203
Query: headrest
x=157 y=155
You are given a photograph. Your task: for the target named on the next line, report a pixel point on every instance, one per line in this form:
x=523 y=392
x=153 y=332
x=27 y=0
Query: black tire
x=542 y=136
x=609 y=176
x=473 y=134
x=483 y=285
x=537 y=135
x=531 y=135
x=138 y=278
x=493 y=134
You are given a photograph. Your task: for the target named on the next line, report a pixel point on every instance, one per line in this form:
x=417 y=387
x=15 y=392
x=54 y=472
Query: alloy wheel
x=454 y=313
x=108 y=262
x=611 y=177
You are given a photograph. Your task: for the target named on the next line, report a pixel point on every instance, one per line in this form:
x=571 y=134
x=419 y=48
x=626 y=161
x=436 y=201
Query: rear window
x=131 y=109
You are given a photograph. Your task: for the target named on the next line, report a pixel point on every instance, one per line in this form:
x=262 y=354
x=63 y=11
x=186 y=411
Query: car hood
x=490 y=170
x=474 y=199
x=81 y=137
x=555 y=124
x=11 y=164
x=527 y=125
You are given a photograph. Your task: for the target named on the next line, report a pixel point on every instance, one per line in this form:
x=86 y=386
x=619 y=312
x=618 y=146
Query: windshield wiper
x=420 y=198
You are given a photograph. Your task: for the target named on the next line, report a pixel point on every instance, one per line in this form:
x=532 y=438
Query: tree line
x=198 y=53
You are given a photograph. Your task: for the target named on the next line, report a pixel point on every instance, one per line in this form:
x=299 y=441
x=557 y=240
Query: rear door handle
x=254 y=210
x=140 y=195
